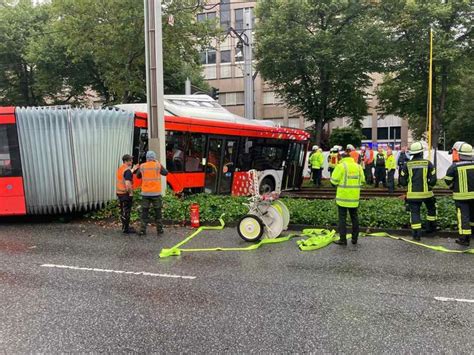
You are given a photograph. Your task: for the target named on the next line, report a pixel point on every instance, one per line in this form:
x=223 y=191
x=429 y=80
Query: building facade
x=223 y=68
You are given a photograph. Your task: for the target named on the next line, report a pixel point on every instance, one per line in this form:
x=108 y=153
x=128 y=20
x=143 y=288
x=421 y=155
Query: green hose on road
x=315 y=239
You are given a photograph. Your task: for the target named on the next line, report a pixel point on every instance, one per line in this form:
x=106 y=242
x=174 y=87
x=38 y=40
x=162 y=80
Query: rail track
x=329 y=193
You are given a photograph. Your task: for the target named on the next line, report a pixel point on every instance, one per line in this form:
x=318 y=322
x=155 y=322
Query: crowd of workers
x=419 y=176
x=379 y=167
x=349 y=170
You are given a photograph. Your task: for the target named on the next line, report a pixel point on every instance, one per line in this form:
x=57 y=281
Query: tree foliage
x=345 y=136
x=405 y=88
x=73 y=47
x=318 y=55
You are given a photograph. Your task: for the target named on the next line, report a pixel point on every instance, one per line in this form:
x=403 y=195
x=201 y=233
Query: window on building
x=367 y=133
x=226 y=56
x=231 y=98
x=9 y=151
x=205 y=16
x=395 y=133
x=208 y=57
x=382 y=133
x=195 y=153
x=239 y=19
x=225 y=14
x=271 y=98
x=175 y=148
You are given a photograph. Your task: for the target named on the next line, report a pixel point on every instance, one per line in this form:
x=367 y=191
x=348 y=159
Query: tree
x=19 y=25
x=345 y=136
x=318 y=55
x=405 y=88
x=71 y=47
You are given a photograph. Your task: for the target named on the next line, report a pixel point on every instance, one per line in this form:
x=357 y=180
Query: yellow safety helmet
x=465 y=149
x=416 y=148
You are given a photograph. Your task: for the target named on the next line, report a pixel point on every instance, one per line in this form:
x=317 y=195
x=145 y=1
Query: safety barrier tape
x=315 y=239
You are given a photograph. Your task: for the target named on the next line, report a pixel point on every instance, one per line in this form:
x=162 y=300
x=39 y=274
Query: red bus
x=208 y=149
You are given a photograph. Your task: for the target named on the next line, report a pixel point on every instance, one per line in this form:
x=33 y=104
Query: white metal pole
x=187 y=87
x=248 y=72
x=155 y=89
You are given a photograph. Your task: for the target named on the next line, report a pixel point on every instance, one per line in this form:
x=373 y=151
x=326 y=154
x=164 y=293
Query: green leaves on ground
x=376 y=213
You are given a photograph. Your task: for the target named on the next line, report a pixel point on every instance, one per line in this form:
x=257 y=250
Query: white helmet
x=315 y=147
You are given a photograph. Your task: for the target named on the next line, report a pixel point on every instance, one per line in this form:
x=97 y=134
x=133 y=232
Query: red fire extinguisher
x=194 y=214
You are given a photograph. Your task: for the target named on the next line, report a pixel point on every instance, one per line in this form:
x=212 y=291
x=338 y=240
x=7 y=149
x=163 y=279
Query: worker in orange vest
x=354 y=154
x=150 y=173
x=124 y=190
x=369 y=165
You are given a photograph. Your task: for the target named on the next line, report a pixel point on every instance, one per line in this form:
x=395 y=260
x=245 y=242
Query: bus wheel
x=267 y=185
x=250 y=228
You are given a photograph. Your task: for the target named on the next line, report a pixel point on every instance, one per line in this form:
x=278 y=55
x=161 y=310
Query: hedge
x=377 y=213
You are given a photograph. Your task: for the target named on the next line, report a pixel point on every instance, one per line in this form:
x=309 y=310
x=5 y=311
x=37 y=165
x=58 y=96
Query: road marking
x=139 y=273
x=447 y=299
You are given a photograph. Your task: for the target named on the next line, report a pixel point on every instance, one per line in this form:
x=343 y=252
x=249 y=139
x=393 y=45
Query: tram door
x=293 y=173
x=12 y=195
x=220 y=165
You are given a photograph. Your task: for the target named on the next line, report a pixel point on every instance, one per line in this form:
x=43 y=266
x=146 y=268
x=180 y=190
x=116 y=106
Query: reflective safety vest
x=390 y=163
x=333 y=159
x=355 y=156
x=348 y=177
x=420 y=176
x=460 y=176
x=316 y=160
x=151 y=178
x=121 y=188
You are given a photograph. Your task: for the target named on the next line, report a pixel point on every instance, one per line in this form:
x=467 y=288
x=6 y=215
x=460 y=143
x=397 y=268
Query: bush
x=376 y=213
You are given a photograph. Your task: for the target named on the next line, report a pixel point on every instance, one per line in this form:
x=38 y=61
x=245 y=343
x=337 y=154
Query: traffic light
x=215 y=94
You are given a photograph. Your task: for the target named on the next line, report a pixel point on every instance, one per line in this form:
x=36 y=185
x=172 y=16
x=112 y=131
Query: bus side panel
x=12 y=196
x=181 y=181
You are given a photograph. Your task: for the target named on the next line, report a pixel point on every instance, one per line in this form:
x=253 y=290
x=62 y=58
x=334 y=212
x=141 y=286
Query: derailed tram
x=60 y=160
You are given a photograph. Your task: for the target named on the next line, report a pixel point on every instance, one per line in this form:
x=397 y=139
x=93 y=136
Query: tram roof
x=203 y=107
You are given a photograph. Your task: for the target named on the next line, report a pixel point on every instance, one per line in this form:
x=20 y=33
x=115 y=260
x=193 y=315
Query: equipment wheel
x=267 y=185
x=273 y=223
x=250 y=228
x=285 y=212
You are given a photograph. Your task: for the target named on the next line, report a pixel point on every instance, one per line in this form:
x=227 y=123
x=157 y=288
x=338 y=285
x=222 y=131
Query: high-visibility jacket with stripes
x=121 y=188
x=348 y=176
x=460 y=177
x=390 y=163
x=151 y=178
x=316 y=160
x=419 y=175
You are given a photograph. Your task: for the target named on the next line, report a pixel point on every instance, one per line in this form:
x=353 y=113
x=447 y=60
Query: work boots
x=431 y=227
x=416 y=233
x=341 y=241
x=464 y=240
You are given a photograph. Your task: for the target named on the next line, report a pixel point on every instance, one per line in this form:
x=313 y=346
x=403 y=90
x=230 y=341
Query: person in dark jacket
x=403 y=158
x=380 y=172
x=419 y=175
x=460 y=178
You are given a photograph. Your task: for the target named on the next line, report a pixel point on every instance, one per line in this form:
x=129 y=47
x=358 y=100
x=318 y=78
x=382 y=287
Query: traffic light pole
x=154 y=81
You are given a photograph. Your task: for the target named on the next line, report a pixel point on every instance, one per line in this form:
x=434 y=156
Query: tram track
x=328 y=193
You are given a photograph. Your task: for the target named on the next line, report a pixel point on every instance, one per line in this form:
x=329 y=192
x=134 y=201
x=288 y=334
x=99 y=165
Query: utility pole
x=187 y=87
x=154 y=81
x=248 y=71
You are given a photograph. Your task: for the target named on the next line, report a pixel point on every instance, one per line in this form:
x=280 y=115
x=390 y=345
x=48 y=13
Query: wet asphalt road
x=376 y=297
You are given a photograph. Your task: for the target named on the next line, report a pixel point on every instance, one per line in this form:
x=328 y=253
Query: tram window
x=175 y=147
x=9 y=152
x=195 y=153
x=262 y=154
